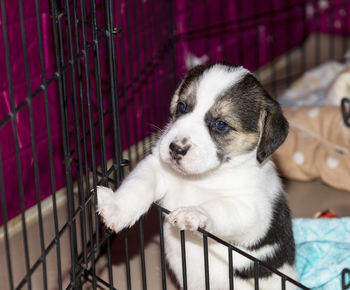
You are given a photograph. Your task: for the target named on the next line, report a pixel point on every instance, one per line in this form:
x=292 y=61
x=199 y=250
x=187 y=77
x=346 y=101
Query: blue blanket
x=322 y=251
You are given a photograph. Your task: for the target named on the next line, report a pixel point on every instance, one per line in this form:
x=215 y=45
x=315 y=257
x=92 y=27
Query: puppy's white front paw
x=113 y=214
x=188 y=218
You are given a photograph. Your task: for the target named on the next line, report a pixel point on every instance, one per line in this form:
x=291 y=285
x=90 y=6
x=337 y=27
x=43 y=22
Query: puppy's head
x=220 y=112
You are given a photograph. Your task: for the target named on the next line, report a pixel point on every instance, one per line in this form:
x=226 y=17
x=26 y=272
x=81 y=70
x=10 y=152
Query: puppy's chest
x=184 y=192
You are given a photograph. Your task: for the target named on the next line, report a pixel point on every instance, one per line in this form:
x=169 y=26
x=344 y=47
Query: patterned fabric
x=317 y=146
x=323 y=251
x=313 y=87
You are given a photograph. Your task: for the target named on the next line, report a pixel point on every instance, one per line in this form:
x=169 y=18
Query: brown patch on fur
x=188 y=96
x=240 y=142
x=186 y=92
x=261 y=123
x=236 y=140
x=174 y=100
x=223 y=110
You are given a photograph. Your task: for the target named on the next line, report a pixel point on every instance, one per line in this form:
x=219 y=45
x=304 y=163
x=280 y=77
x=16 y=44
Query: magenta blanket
x=237 y=31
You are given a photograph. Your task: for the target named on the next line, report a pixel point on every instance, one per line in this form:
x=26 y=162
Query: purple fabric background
x=250 y=33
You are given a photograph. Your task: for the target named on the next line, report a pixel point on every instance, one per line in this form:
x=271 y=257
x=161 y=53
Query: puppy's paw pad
x=188 y=218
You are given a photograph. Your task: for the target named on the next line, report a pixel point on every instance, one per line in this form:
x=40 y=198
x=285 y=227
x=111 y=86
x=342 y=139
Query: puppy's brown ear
x=273 y=133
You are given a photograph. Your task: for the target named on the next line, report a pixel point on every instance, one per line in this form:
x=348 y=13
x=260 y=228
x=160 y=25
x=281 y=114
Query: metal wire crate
x=86 y=89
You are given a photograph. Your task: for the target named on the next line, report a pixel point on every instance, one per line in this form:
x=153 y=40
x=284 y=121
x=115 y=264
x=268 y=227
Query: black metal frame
x=345 y=109
x=230 y=248
x=345 y=279
x=80 y=33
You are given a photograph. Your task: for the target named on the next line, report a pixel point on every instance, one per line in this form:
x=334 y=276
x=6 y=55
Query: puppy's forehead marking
x=214 y=82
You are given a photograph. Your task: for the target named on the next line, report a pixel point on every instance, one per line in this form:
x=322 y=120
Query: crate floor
x=153 y=268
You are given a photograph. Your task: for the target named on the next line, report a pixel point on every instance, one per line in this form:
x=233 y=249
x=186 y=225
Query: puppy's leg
x=189 y=218
x=133 y=198
x=231 y=216
x=227 y=217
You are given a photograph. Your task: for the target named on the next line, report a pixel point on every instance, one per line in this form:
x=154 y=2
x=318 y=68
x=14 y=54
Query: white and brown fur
x=212 y=169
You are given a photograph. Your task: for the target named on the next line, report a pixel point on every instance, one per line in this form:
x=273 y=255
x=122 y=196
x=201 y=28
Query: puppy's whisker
x=153 y=126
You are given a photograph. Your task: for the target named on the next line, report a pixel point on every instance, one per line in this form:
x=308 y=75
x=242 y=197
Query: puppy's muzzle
x=177 y=151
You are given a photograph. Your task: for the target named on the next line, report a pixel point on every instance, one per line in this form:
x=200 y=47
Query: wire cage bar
x=86 y=88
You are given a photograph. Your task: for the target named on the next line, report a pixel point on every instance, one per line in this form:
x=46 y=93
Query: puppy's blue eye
x=181 y=107
x=221 y=125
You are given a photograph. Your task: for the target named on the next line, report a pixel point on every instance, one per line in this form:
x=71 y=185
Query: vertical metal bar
x=142 y=248
x=256 y=275
x=257 y=34
x=37 y=191
x=118 y=159
x=92 y=141
x=4 y=218
x=125 y=92
x=146 y=49
x=49 y=143
x=16 y=143
x=162 y=253
x=151 y=24
x=189 y=10
x=222 y=36
x=58 y=40
x=173 y=42
x=318 y=40
x=131 y=64
x=230 y=268
x=183 y=260
x=109 y=259
x=283 y=283
x=288 y=55
x=138 y=72
x=100 y=109
x=272 y=53
x=82 y=164
x=239 y=35
x=303 y=49
x=33 y=141
x=127 y=259
x=345 y=278
x=345 y=27
x=97 y=68
x=115 y=107
x=206 y=261
x=207 y=21
x=73 y=90
x=157 y=96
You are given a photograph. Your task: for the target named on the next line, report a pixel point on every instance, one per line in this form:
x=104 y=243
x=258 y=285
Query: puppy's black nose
x=177 y=149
